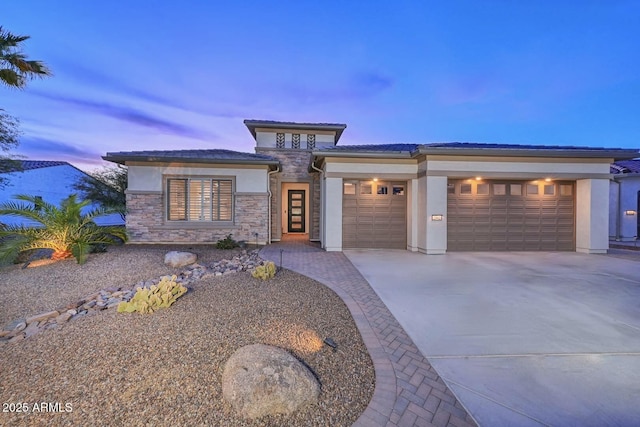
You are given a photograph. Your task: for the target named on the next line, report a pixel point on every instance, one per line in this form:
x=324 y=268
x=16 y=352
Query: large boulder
x=179 y=259
x=261 y=380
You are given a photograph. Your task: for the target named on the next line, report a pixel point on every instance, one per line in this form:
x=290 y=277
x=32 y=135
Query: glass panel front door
x=296 y=214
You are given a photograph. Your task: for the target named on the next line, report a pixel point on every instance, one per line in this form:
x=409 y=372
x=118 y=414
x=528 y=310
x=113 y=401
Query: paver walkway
x=408 y=390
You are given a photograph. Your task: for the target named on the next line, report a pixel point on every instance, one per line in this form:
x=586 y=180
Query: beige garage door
x=511 y=216
x=374 y=215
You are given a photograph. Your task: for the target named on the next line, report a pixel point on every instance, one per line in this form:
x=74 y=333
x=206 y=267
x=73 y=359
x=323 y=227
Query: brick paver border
x=408 y=391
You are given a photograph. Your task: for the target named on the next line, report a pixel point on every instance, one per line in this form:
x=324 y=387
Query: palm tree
x=65 y=230
x=15 y=68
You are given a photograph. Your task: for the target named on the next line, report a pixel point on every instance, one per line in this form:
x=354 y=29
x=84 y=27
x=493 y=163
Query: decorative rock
x=179 y=259
x=261 y=380
x=42 y=316
x=32 y=329
x=4 y=333
x=17 y=338
x=72 y=312
x=64 y=317
x=16 y=325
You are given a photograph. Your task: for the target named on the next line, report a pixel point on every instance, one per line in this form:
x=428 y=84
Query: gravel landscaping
x=165 y=368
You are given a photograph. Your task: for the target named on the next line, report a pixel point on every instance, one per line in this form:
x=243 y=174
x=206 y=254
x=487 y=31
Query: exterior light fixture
x=630 y=212
x=331 y=343
x=547 y=180
x=437 y=217
x=478 y=178
x=375 y=179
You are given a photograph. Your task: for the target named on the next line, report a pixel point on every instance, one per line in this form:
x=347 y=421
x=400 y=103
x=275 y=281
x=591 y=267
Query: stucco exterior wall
x=623 y=226
x=592 y=215
x=501 y=168
x=333 y=217
x=250 y=179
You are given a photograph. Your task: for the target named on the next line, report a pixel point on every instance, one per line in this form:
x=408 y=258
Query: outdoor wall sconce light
x=437 y=217
x=630 y=212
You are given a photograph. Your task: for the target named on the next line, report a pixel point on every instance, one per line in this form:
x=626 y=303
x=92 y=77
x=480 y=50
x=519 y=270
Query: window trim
x=190 y=222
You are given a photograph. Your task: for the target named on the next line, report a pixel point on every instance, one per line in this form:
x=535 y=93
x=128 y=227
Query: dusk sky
x=140 y=75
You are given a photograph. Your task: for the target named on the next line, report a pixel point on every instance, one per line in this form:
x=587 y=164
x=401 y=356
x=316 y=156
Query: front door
x=295 y=209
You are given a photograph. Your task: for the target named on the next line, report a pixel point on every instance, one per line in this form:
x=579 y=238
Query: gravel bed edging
x=109 y=298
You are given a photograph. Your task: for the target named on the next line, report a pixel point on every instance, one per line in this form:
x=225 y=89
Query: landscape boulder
x=261 y=380
x=179 y=259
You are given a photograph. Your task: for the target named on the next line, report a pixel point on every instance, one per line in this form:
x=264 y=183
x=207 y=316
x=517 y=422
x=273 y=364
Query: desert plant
x=65 y=229
x=265 y=271
x=227 y=243
x=148 y=300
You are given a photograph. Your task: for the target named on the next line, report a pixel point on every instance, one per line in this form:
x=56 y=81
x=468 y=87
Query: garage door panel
x=375 y=220
x=511 y=221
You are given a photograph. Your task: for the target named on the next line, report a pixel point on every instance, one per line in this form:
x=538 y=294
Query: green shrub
x=265 y=271
x=148 y=300
x=227 y=243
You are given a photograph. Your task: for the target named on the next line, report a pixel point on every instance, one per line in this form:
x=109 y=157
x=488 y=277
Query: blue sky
x=141 y=75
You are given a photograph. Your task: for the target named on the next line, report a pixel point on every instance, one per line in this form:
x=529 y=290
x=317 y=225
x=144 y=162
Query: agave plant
x=65 y=229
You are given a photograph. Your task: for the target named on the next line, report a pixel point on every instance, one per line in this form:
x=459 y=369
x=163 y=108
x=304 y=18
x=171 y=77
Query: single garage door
x=374 y=215
x=511 y=216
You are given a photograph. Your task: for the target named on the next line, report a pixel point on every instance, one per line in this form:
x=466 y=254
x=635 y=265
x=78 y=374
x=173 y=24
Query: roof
x=479 y=149
x=252 y=124
x=27 y=165
x=625 y=166
x=191 y=156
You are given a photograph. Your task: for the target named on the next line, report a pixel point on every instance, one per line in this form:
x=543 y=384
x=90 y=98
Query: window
x=566 y=189
x=465 y=188
x=398 y=190
x=515 y=189
x=451 y=189
x=279 y=140
x=549 y=190
x=295 y=140
x=482 y=190
x=199 y=199
x=365 y=189
x=382 y=189
x=349 y=188
x=311 y=141
x=532 y=189
x=499 y=189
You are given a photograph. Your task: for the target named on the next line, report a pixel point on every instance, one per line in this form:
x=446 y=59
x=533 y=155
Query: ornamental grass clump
x=148 y=300
x=265 y=271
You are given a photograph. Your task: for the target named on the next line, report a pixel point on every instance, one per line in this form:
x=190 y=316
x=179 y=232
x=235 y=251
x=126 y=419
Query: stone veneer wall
x=294 y=165
x=146 y=224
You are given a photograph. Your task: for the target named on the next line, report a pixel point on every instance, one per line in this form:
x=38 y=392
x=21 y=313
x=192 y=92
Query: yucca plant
x=65 y=229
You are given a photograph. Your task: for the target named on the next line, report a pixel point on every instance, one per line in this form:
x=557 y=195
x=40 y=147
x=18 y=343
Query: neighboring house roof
x=479 y=149
x=191 y=156
x=625 y=166
x=37 y=164
x=338 y=128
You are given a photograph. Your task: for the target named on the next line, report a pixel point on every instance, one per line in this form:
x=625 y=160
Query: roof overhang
x=614 y=153
x=338 y=128
x=123 y=159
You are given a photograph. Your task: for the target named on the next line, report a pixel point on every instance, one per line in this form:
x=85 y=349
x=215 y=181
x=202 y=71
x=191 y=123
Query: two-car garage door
x=481 y=215
x=510 y=216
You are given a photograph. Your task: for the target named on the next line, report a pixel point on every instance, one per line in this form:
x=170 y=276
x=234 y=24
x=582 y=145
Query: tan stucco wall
x=150 y=178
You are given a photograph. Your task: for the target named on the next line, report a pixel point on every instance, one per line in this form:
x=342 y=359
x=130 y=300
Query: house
x=52 y=181
x=430 y=198
x=624 y=200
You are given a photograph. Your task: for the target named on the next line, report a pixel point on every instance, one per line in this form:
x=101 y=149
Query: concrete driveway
x=522 y=338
